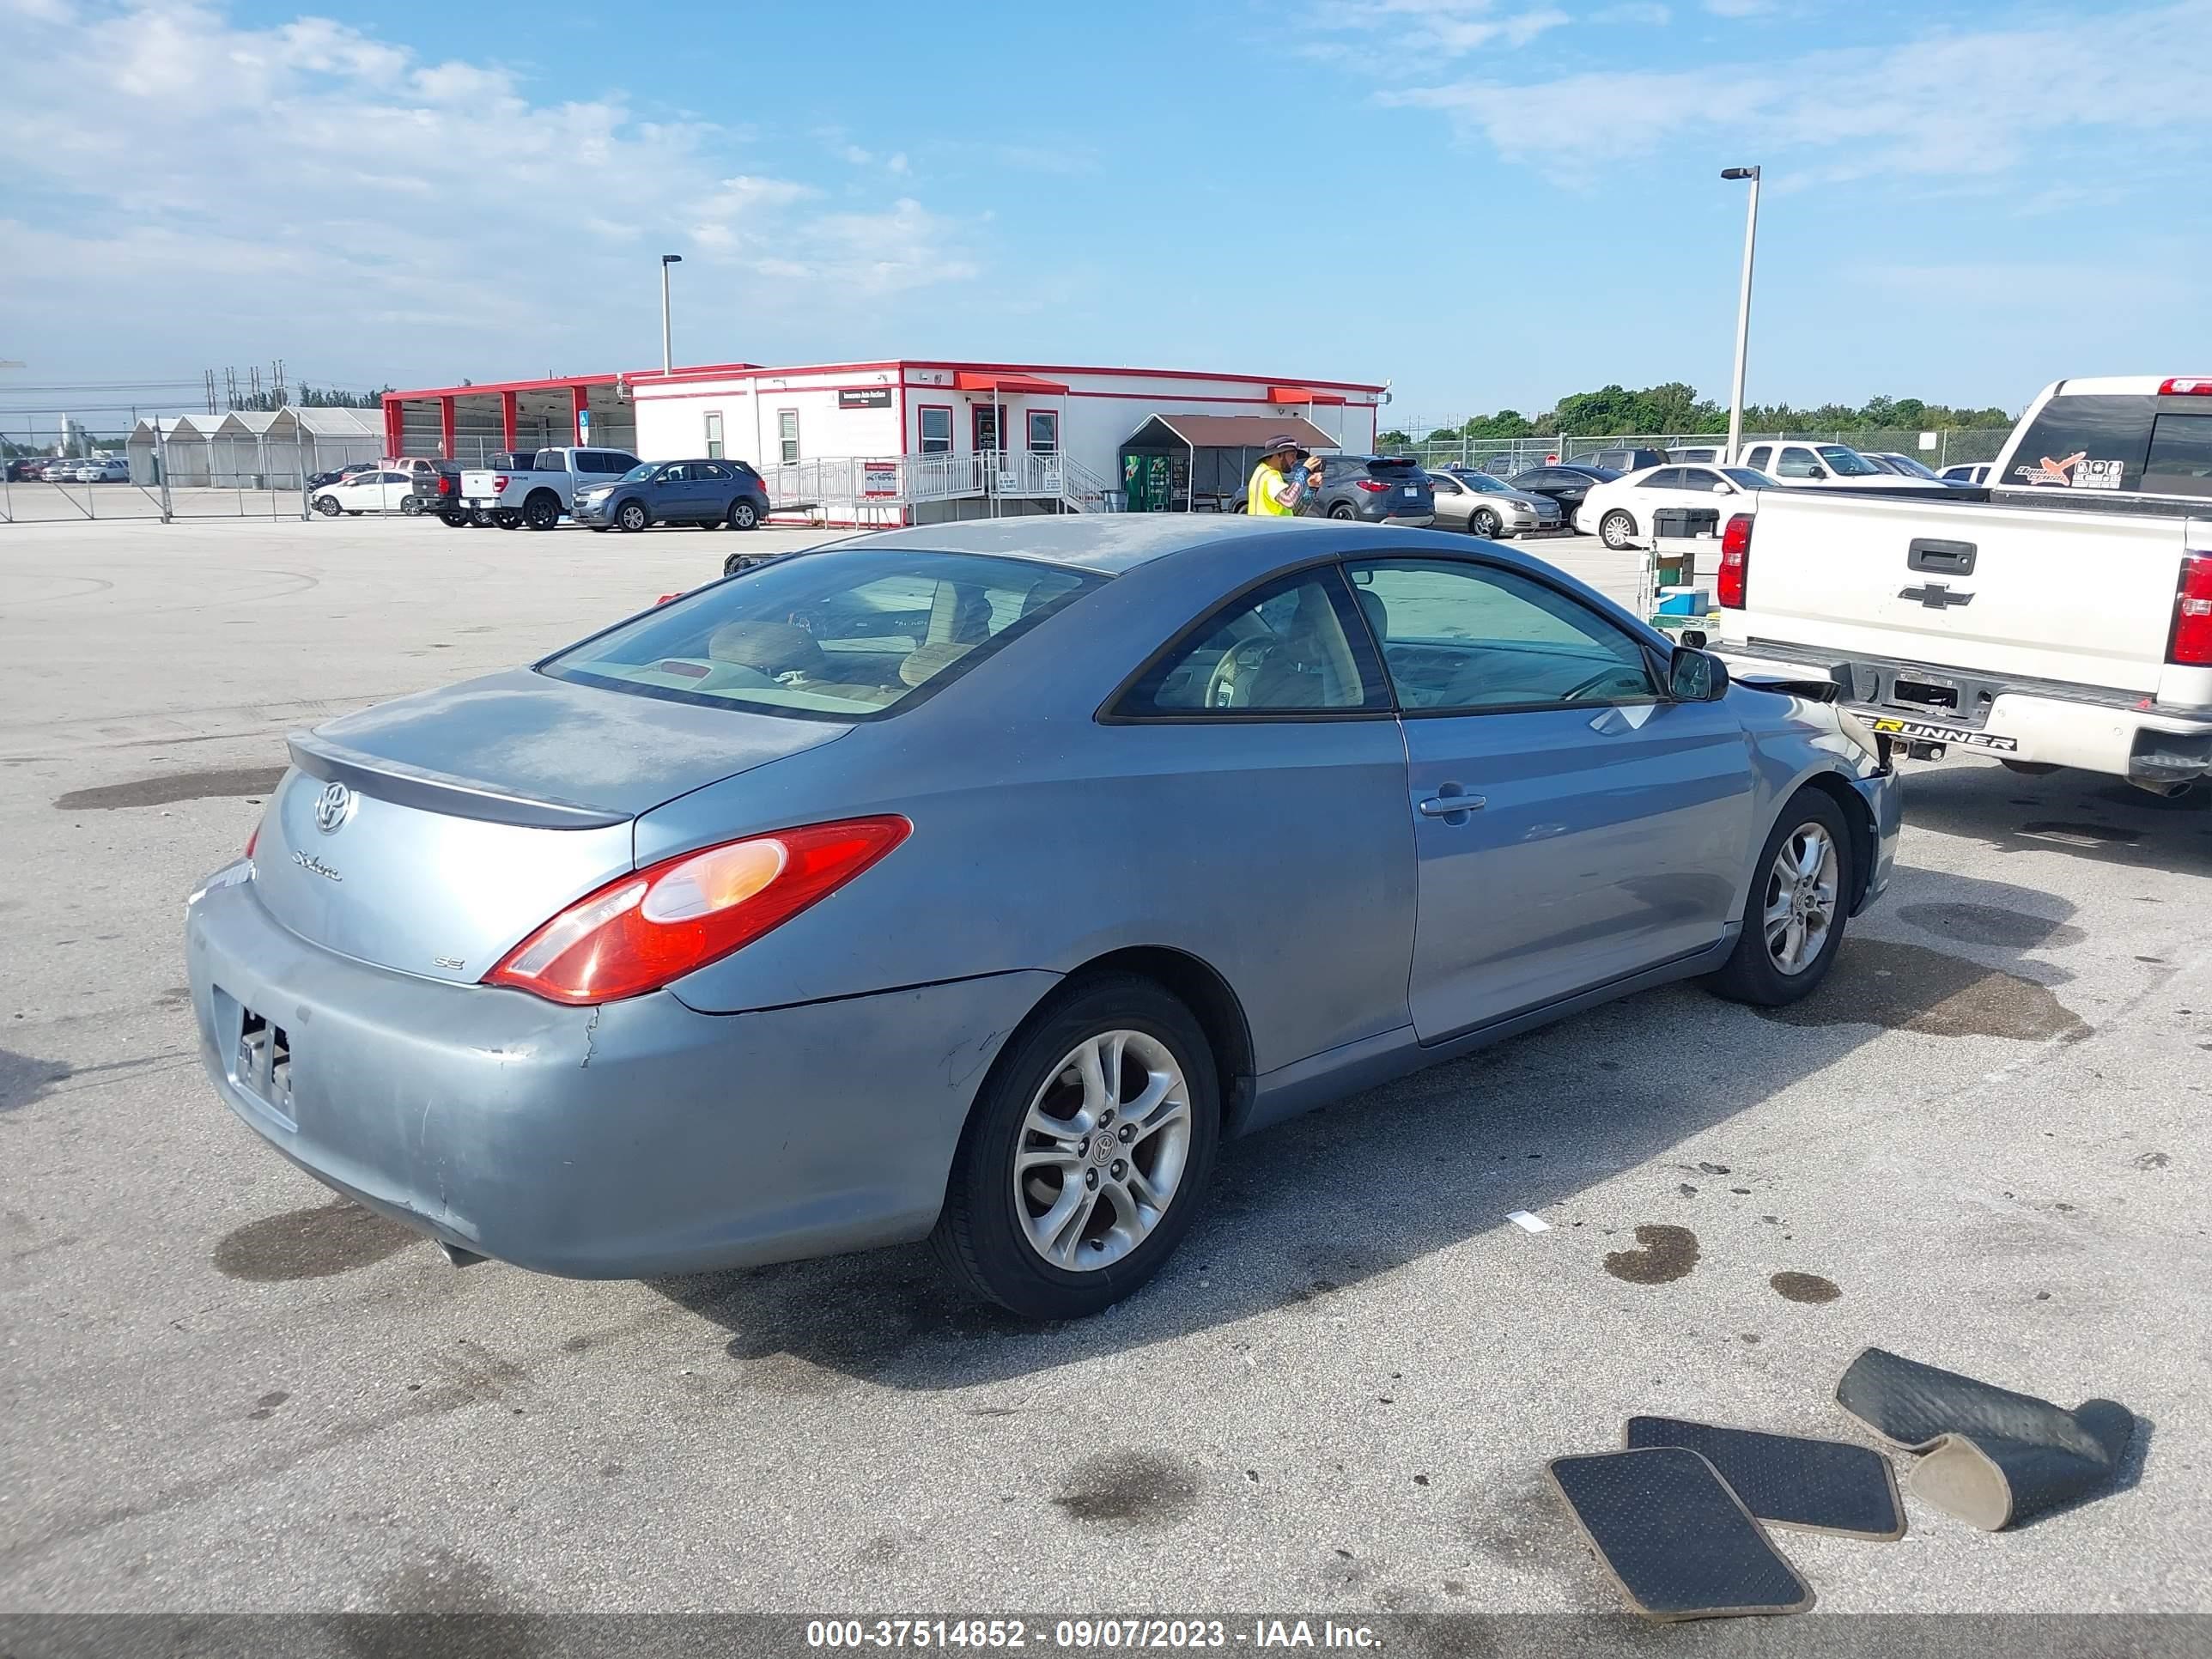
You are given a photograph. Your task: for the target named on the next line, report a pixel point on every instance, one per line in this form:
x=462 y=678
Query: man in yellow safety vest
x=1278 y=487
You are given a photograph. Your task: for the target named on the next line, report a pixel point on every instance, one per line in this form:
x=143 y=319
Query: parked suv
x=700 y=492
x=1380 y=489
x=1621 y=460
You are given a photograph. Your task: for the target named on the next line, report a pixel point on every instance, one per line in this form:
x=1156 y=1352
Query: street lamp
x=667 y=362
x=1742 y=312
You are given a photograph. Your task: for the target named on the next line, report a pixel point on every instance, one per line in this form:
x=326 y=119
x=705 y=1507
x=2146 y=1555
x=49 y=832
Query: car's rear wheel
x=1617 y=531
x=1086 y=1156
x=630 y=516
x=1484 y=523
x=1794 y=914
x=744 y=515
x=328 y=506
x=541 y=511
x=1344 y=510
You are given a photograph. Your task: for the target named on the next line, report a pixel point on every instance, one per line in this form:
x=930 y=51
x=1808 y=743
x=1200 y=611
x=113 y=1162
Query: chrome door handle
x=1442 y=806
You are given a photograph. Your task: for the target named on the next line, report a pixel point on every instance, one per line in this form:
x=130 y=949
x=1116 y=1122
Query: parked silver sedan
x=978 y=880
x=1490 y=507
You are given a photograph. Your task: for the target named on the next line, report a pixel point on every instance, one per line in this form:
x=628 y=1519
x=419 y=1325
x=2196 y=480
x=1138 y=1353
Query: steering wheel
x=1241 y=660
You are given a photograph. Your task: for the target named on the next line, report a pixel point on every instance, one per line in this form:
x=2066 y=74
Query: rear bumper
x=636 y=1138
x=2040 y=725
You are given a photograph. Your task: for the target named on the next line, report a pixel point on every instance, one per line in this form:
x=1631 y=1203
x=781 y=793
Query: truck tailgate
x=2051 y=595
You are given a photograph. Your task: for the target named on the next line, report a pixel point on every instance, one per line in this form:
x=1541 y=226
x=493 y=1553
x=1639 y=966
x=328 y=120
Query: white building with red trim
x=900 y=441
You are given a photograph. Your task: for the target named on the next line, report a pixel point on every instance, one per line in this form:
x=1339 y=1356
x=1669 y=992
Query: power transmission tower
x=210 y=391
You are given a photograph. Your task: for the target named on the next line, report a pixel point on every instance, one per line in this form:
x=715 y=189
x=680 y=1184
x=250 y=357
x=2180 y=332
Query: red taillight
x=444 y=484
x=643 y=930
x=499 y=484
x=1736 y=562
x=1372 y=486
x=2191 y=646
x=2184 y=388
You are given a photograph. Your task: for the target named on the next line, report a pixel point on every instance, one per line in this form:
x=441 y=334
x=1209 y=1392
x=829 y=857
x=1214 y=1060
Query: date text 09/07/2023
x=1087 y=1635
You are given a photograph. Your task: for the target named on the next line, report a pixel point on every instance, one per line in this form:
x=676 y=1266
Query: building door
x=990 y=423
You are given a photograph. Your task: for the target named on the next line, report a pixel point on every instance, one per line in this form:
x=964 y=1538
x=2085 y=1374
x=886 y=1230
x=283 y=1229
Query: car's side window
x=1795 y=463
x=1464 y=638
x=1666 y=478
x=1756 y=458
x=1294 y=646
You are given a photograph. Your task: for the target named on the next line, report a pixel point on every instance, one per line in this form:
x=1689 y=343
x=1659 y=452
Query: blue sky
x=1490 y=203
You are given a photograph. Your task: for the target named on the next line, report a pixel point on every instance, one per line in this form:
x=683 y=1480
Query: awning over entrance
x=969 y=379
x=1225 y=432
x=1288 y=395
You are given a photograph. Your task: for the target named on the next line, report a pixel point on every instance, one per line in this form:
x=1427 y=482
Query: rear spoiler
x=435 y=792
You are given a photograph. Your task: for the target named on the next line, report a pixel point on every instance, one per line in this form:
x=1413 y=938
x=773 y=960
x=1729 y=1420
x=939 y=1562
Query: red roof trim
x=754 y=370
x=1007 y=381
x=1299 y=394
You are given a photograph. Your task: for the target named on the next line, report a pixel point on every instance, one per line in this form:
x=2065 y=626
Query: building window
x=714 y=435
x=786 y=435
x=1044 y=431
x=936 y=428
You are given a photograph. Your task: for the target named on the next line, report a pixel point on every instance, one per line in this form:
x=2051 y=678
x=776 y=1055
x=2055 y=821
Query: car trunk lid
x=431 y=835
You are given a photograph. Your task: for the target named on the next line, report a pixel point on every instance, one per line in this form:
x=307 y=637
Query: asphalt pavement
x=1983 y=1145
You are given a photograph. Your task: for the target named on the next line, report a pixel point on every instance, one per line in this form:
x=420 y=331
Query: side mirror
x=1695 y=676
x=1723 y=489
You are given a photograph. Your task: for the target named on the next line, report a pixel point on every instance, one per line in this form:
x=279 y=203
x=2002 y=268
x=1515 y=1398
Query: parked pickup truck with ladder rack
x=538 y=494
x=2059 y=617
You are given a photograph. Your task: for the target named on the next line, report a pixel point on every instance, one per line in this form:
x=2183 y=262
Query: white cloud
x=856 y=156
x=1947 y=104
x=230 y=191
x=1635 y=11
x=1452 y=28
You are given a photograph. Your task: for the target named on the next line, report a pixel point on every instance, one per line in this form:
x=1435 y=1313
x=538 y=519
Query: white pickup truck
x=2061 y=617
x=538 y=494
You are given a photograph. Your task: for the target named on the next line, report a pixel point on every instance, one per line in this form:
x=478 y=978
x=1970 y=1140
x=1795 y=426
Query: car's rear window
x=1394 y=466
x=851 y=633
x=2089 y=440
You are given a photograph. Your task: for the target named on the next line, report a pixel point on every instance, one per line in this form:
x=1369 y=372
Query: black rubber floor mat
x=1673 y=1536
x=1994 y=1457
x=1791 y=1480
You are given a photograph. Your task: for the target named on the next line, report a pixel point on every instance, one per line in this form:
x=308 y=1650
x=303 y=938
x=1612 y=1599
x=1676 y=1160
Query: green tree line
x=309 y=397
x=1676 y=408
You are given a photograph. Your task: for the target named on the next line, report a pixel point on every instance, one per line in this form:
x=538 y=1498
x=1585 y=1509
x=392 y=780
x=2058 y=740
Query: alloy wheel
x=1800 y=910
x=1102 y=1151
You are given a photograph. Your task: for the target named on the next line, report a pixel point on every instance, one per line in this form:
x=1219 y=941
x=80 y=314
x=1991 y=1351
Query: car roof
x=1107 y=543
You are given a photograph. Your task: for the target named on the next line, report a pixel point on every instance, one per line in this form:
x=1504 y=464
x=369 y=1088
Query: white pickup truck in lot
x=538 y=494
x=2061 y=617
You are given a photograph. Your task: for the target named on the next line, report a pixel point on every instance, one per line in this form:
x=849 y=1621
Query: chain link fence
x=1437 y=442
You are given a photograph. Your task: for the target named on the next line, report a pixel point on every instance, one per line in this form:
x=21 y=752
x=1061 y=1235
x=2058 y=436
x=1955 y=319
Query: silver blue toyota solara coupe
x=977 y=880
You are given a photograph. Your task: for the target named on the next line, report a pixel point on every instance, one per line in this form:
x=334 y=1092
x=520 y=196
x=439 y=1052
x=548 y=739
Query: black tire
x=505 y=518
x=1617 y=530
x=328 y=506
x=410 y=507
x=543 y=510
x=980 y=1237
x=454 y=520
x=1484 y=523
x=1751 y=974
x=1241 y=507
x=743 y=514
x=1344 y=510
x=631 y=516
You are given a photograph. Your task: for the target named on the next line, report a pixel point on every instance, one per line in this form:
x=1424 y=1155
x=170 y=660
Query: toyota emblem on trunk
x=333 y=808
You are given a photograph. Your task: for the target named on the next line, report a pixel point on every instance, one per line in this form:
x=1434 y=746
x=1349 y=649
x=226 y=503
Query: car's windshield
x=1910 y=468
x=1848 y=463
x=1481 y=481
x=1745 y=479
x=846 y=633
x=640 y=472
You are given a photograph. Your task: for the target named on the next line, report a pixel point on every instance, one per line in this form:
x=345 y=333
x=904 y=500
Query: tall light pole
x=1742 y=312
x=667 y=360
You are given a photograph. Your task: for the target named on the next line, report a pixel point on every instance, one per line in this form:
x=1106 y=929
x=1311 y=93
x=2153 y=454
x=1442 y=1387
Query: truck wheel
x=1616 y=530
x=454 y=520
x=543 y=510
x=327 y=506
x=631 y=516
x=744 y=515
x=1793 y=915
x=410 y=506
x=505 y=518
